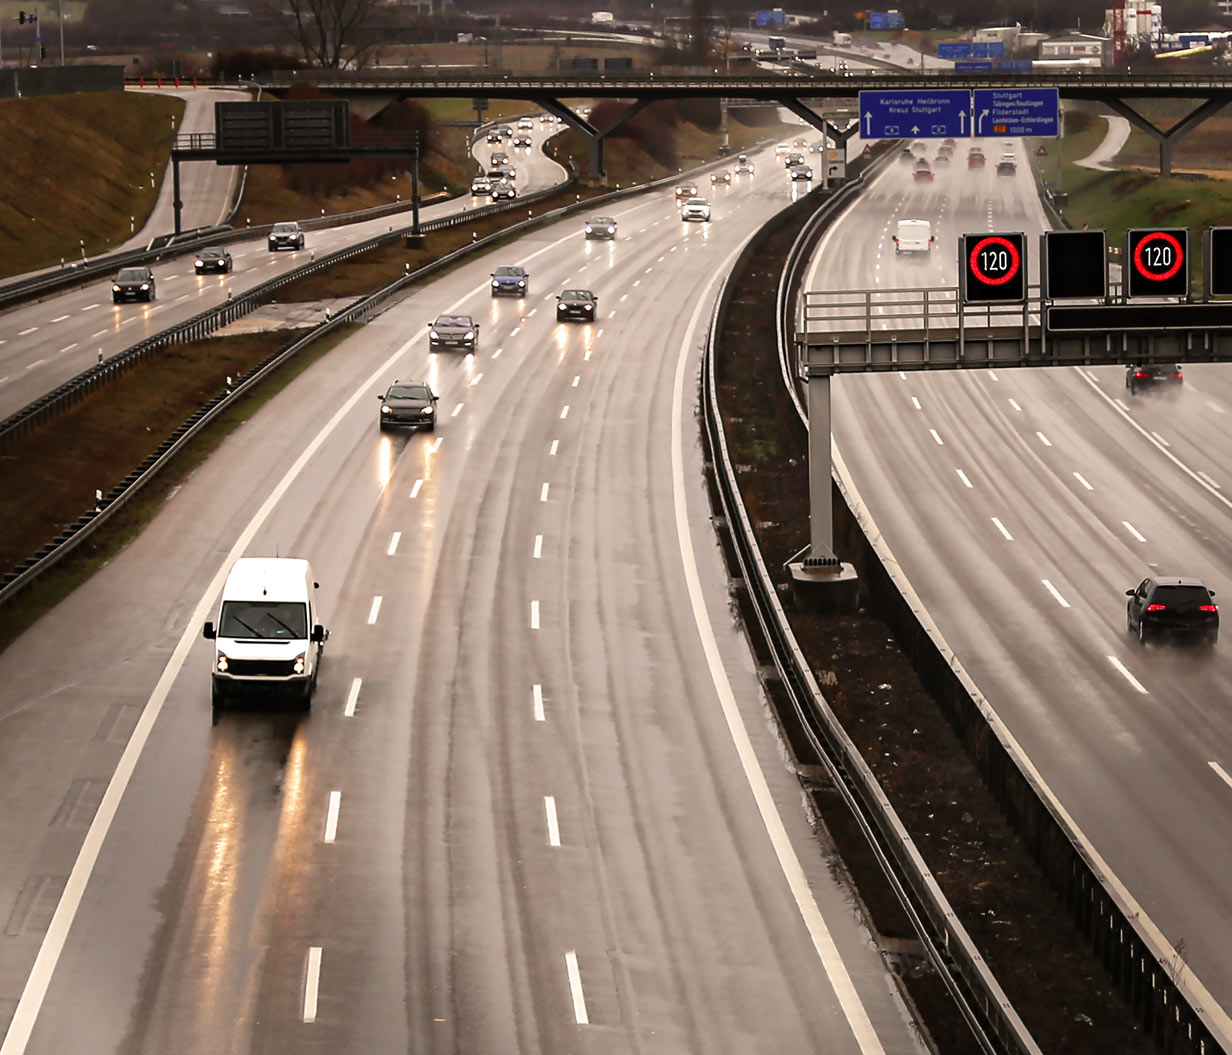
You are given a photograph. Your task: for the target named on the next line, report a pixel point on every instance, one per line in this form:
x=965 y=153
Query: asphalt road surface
x=538 y=805
x=1021 y=504
x=44 y=344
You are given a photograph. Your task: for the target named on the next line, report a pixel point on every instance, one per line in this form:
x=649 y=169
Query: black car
x=410 y=403
x=133 y=283
x=453 y=331
x=577 y=304
x=1172 y=606
x=286 y=235
x=494 y=136
x=1166 y=377
x=217 y=259
x=502 y=191
x=601 y=227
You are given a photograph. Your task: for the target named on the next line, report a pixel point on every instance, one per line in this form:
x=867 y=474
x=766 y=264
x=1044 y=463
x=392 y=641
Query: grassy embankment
x=76 y=168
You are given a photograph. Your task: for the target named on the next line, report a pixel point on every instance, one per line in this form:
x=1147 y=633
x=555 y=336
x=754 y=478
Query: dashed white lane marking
x=555 y=445
x=940 y=441
x=537 y=702
x=312 y=983
x=515 y=331
x=496 y=354
x=435 y=445
x=1083 y=480
x=1221 y=773
x=59 y=318
x=97 y=333
x=638 y=282
x=375 y=610
x=1044 y=439
x=963 y=477
x=22 y=333
x=564 y=411
x=415 y=487
x=1160 y=440
x=182 y=296
x=4 y=378
x=67 y=348
x=543 y=492
x=538 y=553
x=534 y=615
x=1210 y=402
x=1002 y=529
x=611 y=314
x=902 y=375
x=331 y=817
x=599 y=334
x=1014 y=404
x=91 y=307
x=456 y=411
x=476 y=379
x=1127 y=675
x=549 y=807
x=1209 y=480
x=575 y=381
x=575 y=987
x=1133 y=531
x=916 y=403
x=37 y=362
x=624 y=298
x=1055 y=593
x=531 y=312
x=393 y=543
x=348 y=709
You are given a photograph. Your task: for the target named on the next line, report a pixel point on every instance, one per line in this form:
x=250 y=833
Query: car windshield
x=696 y=201
x=509 y=272
x=601 y=221
x=131 y=274
x=453 y=320
x=277 y=620
x=575 y=294
x=285 y=228
x=1181 y=596
x=408 y=392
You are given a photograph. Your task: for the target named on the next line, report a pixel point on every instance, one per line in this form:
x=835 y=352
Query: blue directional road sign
x=976 y=66
x=988 y=49
x=954 y=49
x=1017 y=112
x=876 y=20
x=921 y=114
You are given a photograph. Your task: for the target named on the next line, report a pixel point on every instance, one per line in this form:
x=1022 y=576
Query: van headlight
x=221 y=664
x=300 y=662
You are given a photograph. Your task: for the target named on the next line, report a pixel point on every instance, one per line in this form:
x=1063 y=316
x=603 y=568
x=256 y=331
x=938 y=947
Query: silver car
x=696 y=209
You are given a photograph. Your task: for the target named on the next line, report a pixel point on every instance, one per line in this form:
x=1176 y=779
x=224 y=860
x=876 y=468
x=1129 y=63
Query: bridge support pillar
x=1166 y=139
x=177 y=203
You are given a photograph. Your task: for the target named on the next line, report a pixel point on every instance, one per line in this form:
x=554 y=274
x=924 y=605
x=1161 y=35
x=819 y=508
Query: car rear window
x=1181 y=596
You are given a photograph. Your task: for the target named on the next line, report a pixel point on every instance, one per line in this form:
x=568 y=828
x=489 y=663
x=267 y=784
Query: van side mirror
x=208 y=632
x=318 y=632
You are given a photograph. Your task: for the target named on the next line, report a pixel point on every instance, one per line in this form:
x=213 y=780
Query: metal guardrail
x=1170 y=1004
x=976 y=992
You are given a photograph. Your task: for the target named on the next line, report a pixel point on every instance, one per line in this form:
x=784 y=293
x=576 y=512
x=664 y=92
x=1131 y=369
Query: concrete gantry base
x=830 y=589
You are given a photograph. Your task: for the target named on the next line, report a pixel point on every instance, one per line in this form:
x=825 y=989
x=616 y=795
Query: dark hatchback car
x=409 y=403
x=1172 y=607
x=216 y=259
x=133 y=283
x=453 y=331
x=510 y=281
x=577 y=304
x=1164 y=377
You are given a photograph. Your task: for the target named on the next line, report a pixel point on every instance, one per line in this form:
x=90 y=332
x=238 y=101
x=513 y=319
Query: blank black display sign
x=1075 y=264
x=1219 y=261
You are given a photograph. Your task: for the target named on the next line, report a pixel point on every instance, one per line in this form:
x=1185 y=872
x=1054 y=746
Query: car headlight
x=468 y=336
x=145 y=285
x=221 y=664
x=521 y=282
x=428 y=410
x=115 y=289
x=432 y=334
x=386 y=410
x=590 y=307
x=611 y=230
x=199 y=263
x=496 y=285
x=588 y=228
x=299 y=664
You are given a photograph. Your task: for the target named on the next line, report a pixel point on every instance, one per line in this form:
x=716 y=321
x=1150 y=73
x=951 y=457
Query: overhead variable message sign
x=1218 y=257
x=920 y=114
x=1075 y=264
x=954 y=49
x=993 y=268
x=1156 y=262
x=1016 y=111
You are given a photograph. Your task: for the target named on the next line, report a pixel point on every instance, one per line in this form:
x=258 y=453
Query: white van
x=914 y=236
x=267 y=639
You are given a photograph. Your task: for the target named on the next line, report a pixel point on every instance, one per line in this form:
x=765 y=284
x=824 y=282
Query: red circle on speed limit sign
x=1004 y=250
x=1169 y=263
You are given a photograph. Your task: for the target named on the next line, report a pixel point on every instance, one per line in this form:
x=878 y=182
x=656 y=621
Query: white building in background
x=1144 y=24
x=1076 y=46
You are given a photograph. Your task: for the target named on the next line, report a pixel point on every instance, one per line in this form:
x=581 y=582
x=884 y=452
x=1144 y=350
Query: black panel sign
x=1075 y=264
x=1219 y=262
x=295 y=125
x=994 y=268
x=1153 y=318
x=1156 y=262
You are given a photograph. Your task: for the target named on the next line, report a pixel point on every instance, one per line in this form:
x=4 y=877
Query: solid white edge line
x=537 y=702
x=823 y=942
x=348 y=709
x=393 y=543
x=375 y=610
x=575 y=989
x=312 y=983
x=1055 y=593
x=1221 y=772
x=331 y=817
x=549 y=808
x=1124 y=672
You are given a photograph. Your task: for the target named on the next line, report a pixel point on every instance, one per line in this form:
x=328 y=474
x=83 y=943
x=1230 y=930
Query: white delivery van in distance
x=914 y=236
x=267 y=640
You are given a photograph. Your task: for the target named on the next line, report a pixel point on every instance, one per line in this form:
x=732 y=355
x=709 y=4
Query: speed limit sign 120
x=1156 y=262
x=993 y=268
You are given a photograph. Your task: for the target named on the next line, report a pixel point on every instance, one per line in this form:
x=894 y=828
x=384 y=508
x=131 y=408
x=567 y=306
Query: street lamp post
x=61 y=20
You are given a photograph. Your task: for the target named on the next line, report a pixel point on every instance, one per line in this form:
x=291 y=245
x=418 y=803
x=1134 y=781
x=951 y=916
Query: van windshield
x=264 y=620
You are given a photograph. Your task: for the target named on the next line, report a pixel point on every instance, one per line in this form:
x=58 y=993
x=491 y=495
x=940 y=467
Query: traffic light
x=993 y=268
x=21 y=18
x=1157 y=262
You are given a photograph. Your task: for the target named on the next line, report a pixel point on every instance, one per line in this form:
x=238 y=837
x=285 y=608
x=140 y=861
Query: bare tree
x=331 y=33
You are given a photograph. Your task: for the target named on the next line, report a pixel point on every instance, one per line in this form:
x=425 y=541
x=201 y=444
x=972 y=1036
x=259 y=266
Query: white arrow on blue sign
x=1017 y=112
x=920 y=115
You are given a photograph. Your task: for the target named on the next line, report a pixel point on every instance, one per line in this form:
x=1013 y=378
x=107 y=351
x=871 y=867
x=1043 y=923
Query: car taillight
x=1177 y=376
x=1142 y=373
x=1208 y=608
x=1156 y=607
